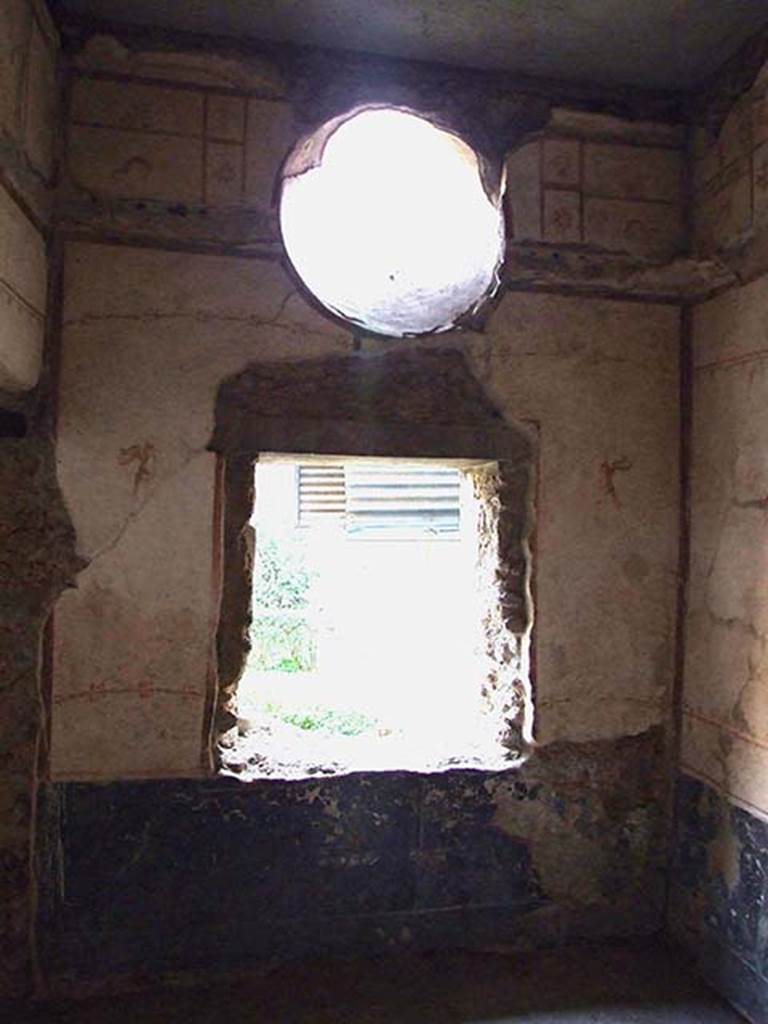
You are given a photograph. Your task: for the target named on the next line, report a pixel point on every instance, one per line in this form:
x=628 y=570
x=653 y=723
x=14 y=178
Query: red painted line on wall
x=747 y=357
x=754 y=741
x=142 y=691
x=703 y=777
x=604 y=699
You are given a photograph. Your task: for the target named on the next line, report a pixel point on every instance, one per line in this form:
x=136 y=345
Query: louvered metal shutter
x=322 y=492
x=402 y=498
x=381 y=500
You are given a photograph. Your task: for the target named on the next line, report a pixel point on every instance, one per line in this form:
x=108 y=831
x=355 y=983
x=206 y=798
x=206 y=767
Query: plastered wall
x=133 y=647
x=717 y=905
x=141 y=364
x=570 y=845
x=211 y=139
x=598 y=181
x=28 y=106
x=718 y=890
x=147 y=337
x=173 y=280
x=132 y=140
x=208 y=141
x=23 y=300
x=29 y=99
x=729 y=167
x=726 y=736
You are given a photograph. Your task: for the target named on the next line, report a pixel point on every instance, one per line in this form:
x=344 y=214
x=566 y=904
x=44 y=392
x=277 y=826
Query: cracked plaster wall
x=140 y=369
x=141 y=365
x=719 y=870
x=141 y=362
x=720 y=881
x=726 y=710
x=148 y=335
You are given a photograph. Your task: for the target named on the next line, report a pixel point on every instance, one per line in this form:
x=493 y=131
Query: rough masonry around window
x=392 y=511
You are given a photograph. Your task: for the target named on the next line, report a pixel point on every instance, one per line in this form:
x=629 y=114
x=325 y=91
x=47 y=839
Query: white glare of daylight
x=393 y=229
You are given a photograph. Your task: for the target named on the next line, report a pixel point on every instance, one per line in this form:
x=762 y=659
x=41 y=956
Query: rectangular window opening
x=377 y=634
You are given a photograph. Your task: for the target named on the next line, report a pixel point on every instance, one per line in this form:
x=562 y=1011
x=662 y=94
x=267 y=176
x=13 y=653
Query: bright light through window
x=393 y=229
x=375 y=627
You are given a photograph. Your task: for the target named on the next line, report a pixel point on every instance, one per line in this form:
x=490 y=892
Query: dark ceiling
x=664 y=44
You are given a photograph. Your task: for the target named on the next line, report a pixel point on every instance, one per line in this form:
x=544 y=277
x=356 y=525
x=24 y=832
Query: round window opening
x=386 y=221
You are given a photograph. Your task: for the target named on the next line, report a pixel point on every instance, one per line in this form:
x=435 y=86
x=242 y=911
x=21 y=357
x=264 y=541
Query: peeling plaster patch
x=543 y=829
x=547 y=811
x=735 y=590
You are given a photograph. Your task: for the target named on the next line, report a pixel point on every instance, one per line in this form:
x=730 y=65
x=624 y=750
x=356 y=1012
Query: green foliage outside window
x=281 y=636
